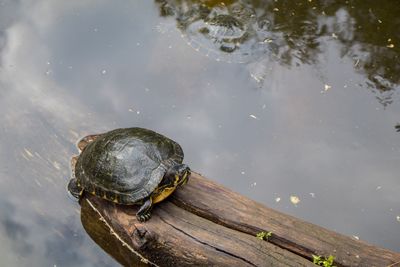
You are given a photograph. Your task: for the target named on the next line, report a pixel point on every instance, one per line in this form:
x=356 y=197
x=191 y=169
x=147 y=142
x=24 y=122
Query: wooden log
x=205 y=224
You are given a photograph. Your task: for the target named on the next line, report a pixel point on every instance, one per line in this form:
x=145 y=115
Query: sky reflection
x=316 y=121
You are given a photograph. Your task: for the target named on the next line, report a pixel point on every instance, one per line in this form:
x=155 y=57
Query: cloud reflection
x=53 y=90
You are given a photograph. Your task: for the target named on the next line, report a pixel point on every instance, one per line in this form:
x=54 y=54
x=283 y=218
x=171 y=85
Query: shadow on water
x=296 y=33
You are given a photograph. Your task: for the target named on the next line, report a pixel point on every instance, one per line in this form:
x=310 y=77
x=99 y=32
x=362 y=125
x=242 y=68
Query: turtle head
x=179 y=174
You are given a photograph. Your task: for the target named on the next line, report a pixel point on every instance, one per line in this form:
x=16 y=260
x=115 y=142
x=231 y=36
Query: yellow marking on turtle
x=166 y=192
x=163 y=194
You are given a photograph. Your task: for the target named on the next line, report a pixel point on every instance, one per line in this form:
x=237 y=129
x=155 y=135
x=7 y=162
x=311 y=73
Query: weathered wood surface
x=205 y=224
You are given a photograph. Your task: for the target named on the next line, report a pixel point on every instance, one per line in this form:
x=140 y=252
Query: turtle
x=129 y=166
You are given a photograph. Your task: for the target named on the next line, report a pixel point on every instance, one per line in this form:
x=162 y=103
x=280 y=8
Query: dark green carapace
x=129 y=166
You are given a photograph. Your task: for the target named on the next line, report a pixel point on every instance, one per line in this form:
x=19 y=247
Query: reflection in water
x=71 y=68
x=231 y=32
x=247 y=30
x=14 y=230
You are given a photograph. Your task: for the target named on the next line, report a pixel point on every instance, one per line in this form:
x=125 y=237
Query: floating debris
x=253 y=117
x=56 y=165
x=378 y=187
x=398 y=218
x=327 y=87
x=294 y=199
x=38 y=183
x=312 y=195
x=277 y=199
x=28 y=152
x=390 y=45
x=355 y=237
x=256 y=78
x=103 y=72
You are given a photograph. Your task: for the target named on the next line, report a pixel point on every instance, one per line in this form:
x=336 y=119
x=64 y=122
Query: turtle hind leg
x=86 y=140
x=74 y=188
x=144 y=211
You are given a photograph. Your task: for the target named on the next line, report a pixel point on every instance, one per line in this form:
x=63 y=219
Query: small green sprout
x=323 y=261
x=264 y=235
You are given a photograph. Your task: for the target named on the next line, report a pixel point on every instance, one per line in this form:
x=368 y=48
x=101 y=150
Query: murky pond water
x=274 y=100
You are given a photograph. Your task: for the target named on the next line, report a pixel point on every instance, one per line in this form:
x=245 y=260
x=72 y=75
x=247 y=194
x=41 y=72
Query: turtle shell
x=126 y=165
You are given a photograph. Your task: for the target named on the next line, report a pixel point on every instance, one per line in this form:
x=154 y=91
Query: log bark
x=205 y=224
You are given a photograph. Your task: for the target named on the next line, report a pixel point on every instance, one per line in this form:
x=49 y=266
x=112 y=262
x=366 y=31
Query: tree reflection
x=297 y=32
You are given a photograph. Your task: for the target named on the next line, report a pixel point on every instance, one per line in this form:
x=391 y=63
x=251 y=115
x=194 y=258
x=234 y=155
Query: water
x=313 y=119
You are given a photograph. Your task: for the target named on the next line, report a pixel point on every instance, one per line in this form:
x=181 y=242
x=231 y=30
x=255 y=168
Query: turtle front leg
x=144 y=211
x=74 y=188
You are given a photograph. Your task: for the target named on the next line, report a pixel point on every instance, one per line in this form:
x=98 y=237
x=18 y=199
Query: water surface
x=312 y=114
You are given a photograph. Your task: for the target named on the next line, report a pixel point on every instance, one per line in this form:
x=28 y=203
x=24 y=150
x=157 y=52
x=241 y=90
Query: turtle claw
x=143 y=217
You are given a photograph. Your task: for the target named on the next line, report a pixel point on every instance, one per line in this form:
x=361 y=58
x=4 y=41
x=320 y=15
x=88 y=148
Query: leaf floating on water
x=28 y=152
x=56 y=165
x=253 y=117
x=294 y=199
x=327 y=87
